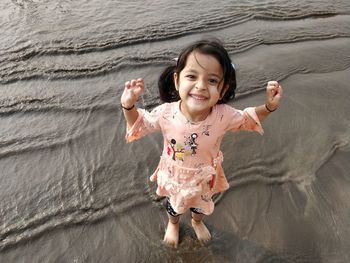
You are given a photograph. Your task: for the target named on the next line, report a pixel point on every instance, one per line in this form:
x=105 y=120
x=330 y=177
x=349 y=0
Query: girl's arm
x=273 y=95
x=133 y=89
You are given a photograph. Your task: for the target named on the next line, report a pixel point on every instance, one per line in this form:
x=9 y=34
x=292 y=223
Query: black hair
x=214 y=47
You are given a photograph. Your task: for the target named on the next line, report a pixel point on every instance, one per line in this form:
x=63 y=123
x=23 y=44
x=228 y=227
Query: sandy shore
x=74 y=191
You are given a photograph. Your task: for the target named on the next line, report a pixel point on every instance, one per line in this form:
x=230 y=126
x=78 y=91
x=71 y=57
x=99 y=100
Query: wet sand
x=72 y=190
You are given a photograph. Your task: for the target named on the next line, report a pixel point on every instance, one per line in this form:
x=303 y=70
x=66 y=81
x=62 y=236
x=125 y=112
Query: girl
x=193 y=121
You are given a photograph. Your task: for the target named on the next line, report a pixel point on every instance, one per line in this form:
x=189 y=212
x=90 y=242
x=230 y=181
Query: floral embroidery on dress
x=177 y=151
x=173 y=149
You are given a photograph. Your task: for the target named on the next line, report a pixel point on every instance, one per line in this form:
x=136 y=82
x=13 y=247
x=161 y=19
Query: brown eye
x=213 y=81
x=190 y=76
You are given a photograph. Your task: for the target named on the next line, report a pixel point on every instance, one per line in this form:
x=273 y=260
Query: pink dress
x=190 y=170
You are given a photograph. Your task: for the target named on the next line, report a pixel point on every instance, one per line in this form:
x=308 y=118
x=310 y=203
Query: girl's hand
x=132 y=91
x=273 y=95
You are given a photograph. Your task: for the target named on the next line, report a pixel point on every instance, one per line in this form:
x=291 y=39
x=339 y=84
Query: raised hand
x=132 y=91
x=273 y=95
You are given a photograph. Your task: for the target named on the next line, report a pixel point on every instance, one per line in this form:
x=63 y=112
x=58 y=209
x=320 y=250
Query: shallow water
x=72 y=190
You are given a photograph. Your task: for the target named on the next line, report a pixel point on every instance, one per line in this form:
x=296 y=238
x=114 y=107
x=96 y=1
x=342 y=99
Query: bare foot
x=171 y=237
x=201 y=230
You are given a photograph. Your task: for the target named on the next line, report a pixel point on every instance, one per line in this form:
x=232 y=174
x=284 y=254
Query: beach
x=73 y=190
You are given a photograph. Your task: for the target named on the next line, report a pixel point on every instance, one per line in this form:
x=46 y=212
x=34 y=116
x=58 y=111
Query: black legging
x=172 y=212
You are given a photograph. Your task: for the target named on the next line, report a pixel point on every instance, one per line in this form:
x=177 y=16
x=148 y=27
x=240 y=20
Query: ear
x=176 y=78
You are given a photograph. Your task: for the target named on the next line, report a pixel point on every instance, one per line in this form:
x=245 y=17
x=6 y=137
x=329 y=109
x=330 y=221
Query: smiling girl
x=193 y=121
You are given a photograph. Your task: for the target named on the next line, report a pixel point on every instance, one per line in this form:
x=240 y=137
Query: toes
x=201 y=231
x=171 y=237
x=171 y=244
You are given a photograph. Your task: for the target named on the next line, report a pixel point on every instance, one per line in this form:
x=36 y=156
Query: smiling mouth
x=198 y=97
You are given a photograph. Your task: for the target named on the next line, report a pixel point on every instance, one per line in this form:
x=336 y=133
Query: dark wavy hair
x=213 y=47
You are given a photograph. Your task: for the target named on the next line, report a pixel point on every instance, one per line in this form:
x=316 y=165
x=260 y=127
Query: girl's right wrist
x=127 y=105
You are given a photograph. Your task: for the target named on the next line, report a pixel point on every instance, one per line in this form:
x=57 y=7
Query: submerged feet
x=200 y=229
x=171 y=237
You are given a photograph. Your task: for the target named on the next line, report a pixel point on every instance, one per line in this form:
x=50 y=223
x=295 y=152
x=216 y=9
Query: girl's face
x=199 y=85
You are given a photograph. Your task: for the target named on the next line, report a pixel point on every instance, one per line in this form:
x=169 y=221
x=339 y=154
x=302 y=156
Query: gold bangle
x=269 y=109
x=128 y=108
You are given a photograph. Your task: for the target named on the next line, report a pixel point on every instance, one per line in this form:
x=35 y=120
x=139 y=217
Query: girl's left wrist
x=270 y=108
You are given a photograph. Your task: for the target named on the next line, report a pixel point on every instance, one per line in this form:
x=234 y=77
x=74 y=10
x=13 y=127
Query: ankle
x=197 y=221
x=174 y=220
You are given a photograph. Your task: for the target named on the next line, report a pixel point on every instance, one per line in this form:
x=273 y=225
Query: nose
x=200 y=84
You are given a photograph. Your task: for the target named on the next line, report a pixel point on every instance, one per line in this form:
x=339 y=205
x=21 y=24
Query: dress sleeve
x=246 y=119
x=146 y=123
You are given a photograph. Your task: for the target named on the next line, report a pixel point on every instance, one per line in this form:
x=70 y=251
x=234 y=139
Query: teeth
x=198 y=97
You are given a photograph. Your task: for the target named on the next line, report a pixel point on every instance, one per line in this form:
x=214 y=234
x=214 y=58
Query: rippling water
x=72 y=190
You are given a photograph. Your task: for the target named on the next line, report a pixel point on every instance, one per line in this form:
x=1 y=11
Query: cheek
x=215 y=90
x=183 y=85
